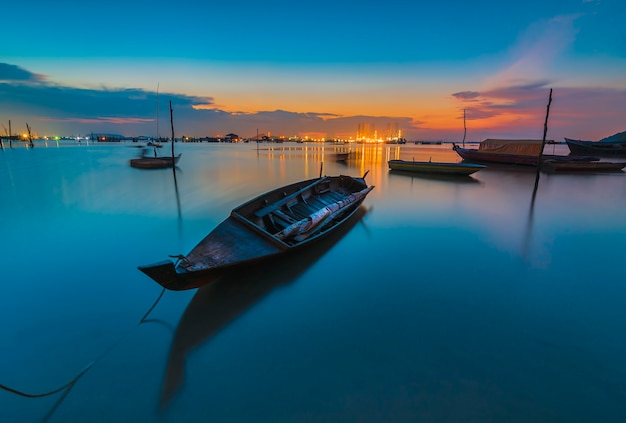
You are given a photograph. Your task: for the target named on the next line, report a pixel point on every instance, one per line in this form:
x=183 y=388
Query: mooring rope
x=181 y=258
x=86 y=368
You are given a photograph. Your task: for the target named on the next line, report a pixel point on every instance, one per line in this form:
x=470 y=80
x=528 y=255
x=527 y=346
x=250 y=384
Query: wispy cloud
x=99 y=120
x=12 y=73
x=513 y=99
x=575 y=112
x=537 y=52
x=30 y=96
x=467 y=96
x=132 y=111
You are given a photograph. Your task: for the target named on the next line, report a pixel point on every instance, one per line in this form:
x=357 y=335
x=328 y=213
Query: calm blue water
x=449 y=301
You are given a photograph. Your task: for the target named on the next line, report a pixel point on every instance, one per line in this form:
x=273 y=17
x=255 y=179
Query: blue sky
x=317 y=69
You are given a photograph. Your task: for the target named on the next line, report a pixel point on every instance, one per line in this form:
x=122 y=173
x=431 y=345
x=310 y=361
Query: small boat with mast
x=158 y=162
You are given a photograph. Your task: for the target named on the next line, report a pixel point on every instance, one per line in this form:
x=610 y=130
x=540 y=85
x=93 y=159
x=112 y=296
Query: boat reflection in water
x=229 y=295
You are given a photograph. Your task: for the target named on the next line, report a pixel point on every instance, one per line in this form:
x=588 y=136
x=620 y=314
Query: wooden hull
x=154 y=162
x=341 y=157
x=477 y=156
x=596 y=147
x=577 y=167
x=266 y=227
x=464 y=169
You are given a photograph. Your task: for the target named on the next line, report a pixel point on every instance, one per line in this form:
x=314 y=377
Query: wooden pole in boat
x=158 y=136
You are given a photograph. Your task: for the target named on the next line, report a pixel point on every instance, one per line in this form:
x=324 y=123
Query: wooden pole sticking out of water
x=464 y=128
x=6 y=133
x=158 y=136
x=545 y=131
x=532 y=199
x=172 y=125
x=10 y=136
x=30 y=137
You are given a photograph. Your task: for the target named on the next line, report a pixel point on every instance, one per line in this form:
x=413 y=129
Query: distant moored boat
x=615 y=145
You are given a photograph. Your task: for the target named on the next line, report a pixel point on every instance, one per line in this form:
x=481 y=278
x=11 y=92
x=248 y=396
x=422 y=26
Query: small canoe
x=280 y=221
x=435 y=167
x=553 y=166
x=341 y=156
x=154 y=162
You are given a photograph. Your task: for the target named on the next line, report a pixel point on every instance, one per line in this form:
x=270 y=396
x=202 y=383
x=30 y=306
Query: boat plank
x=271 y=207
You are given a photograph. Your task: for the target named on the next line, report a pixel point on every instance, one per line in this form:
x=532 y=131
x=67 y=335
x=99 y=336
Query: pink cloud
x=589 y=113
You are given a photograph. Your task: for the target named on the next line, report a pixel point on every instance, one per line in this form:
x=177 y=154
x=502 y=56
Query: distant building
x=367 y=132
x=107 y=137
x=231 y=138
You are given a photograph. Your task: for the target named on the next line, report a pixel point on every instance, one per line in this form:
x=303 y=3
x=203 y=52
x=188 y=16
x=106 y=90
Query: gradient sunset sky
x=317 y=69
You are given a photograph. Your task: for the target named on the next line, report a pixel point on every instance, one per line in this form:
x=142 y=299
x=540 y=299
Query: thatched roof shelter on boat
x=528 y=147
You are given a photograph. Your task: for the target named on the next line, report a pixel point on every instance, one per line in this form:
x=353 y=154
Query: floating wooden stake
x=173 y=138
x=464 y=128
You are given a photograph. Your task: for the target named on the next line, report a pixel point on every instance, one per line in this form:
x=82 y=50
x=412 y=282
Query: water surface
x=474 y=299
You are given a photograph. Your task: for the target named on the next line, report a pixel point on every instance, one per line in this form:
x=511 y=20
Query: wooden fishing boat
x=341 y=156
x=447 y=168
x=159 y=162
x=512 y=152
x=146 y=161
x=554 y=166
x=600 y=148
x=280 y=221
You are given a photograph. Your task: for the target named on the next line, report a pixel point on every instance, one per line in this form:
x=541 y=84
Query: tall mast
x=157 y=113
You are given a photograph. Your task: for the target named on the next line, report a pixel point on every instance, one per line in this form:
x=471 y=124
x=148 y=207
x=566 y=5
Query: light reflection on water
x=449 y=300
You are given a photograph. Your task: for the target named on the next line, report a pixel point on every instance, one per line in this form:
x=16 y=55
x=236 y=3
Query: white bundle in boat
x=302 y=228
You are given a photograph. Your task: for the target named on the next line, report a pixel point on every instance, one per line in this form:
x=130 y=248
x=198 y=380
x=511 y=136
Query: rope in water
x=89 y=366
